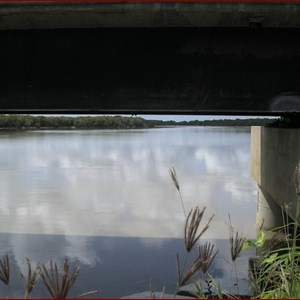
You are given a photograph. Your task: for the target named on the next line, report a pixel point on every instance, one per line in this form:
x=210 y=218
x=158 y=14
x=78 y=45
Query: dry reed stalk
x=236 y=243
x=58 y=284
x=4 y=269
x=206 y=253
x=196 y=266
x=32 y=278
x=192 y=225
x=297 y=178
x=88 y=293
x=175 y=180
x=202 y=262
x=285 y=282
x=178 y=268
x=174 y=177
x=278 y=238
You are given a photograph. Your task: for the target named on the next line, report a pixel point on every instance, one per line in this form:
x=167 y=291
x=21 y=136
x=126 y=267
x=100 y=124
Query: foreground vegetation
x=57 y=281
x=111 y=122
x=274 y=273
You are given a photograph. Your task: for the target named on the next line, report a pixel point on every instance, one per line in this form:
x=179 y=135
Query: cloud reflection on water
x=116 y=183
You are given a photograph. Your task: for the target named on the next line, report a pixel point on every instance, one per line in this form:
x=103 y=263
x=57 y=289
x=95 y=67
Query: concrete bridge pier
x=275 y=153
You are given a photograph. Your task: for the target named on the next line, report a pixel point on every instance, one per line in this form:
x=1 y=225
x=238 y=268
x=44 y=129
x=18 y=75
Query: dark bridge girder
x=154 y=70
x=193 y=58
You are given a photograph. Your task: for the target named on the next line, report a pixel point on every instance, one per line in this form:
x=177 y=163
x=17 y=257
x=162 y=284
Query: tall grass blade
x=178 y=267
x=237 y=242
x=202 y=262
x=88 y=293
x=4 y=269
x=175 y=180
x=192 y=225
x=207 y=255
x=32 y=278
x=278 y=239
x=174 y=177
x=59 y=283
x=297 y=179
x=197 y=264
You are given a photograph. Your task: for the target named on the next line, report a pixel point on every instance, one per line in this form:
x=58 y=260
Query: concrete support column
x=268 y=212
x=275 y=153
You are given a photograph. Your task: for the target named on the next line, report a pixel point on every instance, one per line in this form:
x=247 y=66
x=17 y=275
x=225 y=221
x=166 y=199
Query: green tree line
x=113 y=122
x=97 y=122
x=221 y=122
x=232 y=122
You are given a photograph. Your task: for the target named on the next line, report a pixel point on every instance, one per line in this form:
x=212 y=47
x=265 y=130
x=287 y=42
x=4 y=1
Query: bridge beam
x=275 y=153
x=150 y=70
x=36 y=14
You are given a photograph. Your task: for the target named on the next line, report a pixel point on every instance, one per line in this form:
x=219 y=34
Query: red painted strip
x=148 y=1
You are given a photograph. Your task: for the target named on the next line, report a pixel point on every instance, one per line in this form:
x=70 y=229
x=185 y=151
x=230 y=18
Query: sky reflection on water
x=117 y=184
x=116 y=266
x=78 y=186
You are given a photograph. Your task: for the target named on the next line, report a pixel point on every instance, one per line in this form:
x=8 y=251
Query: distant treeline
x=111 y=122
x=97 y=122
x=221 y=122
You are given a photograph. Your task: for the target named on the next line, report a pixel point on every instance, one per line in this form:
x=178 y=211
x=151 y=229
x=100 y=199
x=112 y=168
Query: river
x=105 y=200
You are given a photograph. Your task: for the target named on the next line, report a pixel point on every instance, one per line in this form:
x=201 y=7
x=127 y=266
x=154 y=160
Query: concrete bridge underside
x=151 y=70
x=178 y=58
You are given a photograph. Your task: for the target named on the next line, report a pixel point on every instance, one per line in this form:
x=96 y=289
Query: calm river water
x=105 y=200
